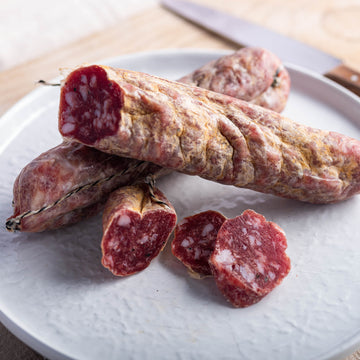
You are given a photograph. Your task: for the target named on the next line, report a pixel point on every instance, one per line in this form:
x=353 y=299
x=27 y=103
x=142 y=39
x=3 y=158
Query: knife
x=245 y=33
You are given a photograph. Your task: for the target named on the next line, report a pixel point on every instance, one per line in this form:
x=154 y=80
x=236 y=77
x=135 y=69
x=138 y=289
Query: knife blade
x=245 y=33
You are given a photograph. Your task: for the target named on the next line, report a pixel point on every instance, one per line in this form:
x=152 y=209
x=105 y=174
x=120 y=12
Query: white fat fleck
x=258 y=242
x=109 y=261
x=207 y=228
x=187 y=241
x=71 y=98
x=248 y=275
x=83 y=79
x=124 y=220
x=225 y=257
x=244 y=246
x=67 y=128
x=154 y=237
x=260 y=266
x=106 y=105
x=252 y=240
x=144 y=239
x=83 y=92
x=112 y=242
x=197 y=253
x=97 y=122
x=275 y=265
x=230 y=240
x=70 y=119
x=271 y=275
x=260 y=256
x=244 y=231
x=93 y=81
x=254 y=223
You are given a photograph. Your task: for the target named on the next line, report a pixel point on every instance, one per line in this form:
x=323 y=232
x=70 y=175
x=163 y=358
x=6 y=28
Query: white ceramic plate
x=55 y=295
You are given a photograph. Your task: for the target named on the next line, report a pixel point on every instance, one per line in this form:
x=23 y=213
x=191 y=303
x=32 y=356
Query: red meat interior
x=132 y=241
x=258 y=251
x=90 y=105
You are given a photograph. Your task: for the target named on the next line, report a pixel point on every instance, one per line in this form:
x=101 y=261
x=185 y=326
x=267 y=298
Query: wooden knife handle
x=346 y=77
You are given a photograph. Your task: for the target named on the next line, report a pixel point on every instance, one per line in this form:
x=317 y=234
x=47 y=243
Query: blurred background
x=38 y=37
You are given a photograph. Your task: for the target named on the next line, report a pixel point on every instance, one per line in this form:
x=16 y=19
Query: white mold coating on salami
x=87 y=174
x=252 y=74
x=249 y=258
x=257 y=64
x=223 y=139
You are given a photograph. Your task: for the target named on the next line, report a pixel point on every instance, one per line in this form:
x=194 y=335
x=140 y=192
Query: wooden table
x=329 y=26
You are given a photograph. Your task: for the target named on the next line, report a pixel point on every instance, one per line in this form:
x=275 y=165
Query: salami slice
x=249 y=258
x=194 y=240
x=137 y=223
x=199 y=132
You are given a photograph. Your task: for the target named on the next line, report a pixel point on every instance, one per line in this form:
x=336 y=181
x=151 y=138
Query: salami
x=194 y=240
x=199 y=132
x=249 y=258
x=136 y=225
x=251 y=74
x=73 y=182
x=68 y=183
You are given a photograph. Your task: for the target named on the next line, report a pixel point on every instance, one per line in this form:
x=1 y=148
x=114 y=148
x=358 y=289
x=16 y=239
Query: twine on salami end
x=150 y=181
x=14 y=224
x=43 y=82
x=276 y=79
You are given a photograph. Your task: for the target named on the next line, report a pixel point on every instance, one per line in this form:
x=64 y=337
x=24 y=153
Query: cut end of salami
x=249 y=258
x=137 y=224
x=89 y=105
x=194 y=240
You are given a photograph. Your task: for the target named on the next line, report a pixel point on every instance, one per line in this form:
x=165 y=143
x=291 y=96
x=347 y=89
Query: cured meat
x=199 y=132
x=249 y=258
x=136 y=225
x=68 y=183
x=47 y=205
x=194 y=240
x=251 y=74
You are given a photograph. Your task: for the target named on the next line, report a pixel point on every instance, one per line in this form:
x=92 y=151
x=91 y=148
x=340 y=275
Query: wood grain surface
x=332 y=26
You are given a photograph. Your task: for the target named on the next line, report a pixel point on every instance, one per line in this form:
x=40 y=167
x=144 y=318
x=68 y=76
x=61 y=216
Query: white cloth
x=29 y=29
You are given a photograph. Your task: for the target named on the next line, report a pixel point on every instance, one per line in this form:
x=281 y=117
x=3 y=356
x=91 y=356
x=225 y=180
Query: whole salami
x=249 y=258
x=70 y=182
x=251 y=74
x=137 y=222
x=199 y=132
x=194 y=240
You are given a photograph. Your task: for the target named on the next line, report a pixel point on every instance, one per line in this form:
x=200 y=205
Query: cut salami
x=68 y=183
x=194 y=240
x=249 y=258
x=136 y=225
x=220 y=138
x=69 y=186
